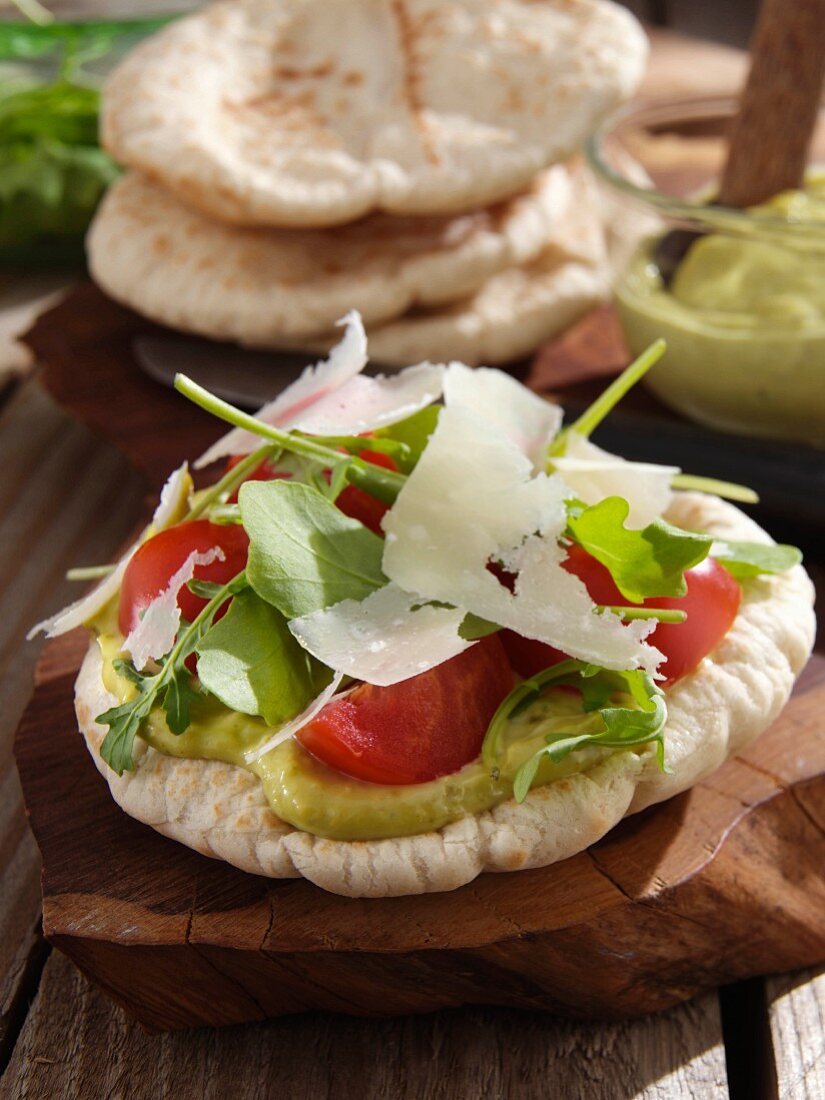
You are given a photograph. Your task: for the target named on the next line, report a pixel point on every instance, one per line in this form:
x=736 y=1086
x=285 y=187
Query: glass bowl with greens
x=53 y=60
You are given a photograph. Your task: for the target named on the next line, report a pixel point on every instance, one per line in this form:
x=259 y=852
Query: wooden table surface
x=67 y=498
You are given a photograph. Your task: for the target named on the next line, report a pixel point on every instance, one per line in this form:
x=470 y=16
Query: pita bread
x=737 y=691
x=316 y=112
x=149 y=251
x=515 y=311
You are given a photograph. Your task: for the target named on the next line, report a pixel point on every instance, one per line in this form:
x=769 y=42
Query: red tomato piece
x=159 y=558
x=358 y=504
x=711 y=603
x=265 y=472
x=417 y=730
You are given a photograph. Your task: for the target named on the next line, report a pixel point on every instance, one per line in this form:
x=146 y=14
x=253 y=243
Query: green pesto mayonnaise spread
x=311 y=796
x=744 y=320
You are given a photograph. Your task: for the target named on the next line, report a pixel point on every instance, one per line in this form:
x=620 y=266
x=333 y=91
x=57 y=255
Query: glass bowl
x=52 y=172
x=743 y=307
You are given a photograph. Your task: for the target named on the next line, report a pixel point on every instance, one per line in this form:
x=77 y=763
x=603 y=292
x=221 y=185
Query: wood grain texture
x=668 y=902
x=483 y=1054
x=771 y=132
x=797 y=1019
x=57 y=479
x=84 y=344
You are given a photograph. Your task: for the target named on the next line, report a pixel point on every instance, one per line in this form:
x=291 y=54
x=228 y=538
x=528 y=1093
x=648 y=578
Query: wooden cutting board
x=718 y=884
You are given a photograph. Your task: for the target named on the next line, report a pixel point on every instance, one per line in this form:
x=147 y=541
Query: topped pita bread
x=735 y=693
x=316 y=112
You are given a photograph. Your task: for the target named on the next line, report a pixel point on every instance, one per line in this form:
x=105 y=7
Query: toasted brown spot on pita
x=316 y=72
x=411 y=78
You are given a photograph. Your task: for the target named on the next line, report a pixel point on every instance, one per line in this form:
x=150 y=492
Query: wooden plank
x=797 y=1018
x=91 y=1049
x=63 y=498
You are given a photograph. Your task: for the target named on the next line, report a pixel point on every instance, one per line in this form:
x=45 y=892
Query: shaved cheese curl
x=84 y=609
x=155 y=634
x=364 y=404
x=594 y=474
x=304 y=718
x=472 y=500
x=516 y=412
x=347 y=359
x=384 y=639
x=172 y=499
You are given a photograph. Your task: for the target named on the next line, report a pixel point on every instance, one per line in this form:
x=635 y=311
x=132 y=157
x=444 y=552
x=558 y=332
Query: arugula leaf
x=609 y=398
x=49 y=190
x=612 y=719
x=645 y=563
x=474 y=627
x=62 y=112
x=124 y=722
x=749 y=559
x=252 y=663
x=170 y=687
x=177 y=700
x=304 y=554
x=414 y=433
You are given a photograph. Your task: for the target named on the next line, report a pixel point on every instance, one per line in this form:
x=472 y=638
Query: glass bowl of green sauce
x=54 y=57
x=739 y=295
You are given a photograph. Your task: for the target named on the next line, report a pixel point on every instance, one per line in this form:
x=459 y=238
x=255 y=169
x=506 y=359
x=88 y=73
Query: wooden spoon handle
x=770 y=135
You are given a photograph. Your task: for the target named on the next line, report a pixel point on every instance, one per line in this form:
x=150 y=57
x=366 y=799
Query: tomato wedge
x=711 y=603
x=417 y=730
x=159 y=558
x=357 y=504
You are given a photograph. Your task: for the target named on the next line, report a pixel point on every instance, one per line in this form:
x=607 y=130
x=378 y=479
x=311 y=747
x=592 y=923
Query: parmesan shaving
x=346 y=360
x=303 y=719
x=173 y=497
x=364 y=404
x=472 y=500
x=386 y=638
x=334 y=398
x=155 y=634
x=594 y=474
x=520 y=415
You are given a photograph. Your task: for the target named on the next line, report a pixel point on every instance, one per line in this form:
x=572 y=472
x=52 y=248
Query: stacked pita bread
x=289 y=160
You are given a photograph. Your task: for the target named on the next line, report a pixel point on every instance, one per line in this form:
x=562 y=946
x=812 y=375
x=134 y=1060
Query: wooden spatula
x=772 y=129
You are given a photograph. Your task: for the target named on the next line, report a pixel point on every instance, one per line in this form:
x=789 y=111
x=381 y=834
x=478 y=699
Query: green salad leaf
x=413 y=433
x=749 y=559
x=645 y=563
x=304 y=554
x=251 y=662
x=49 y=190
x=52 y=172
x=622 y=709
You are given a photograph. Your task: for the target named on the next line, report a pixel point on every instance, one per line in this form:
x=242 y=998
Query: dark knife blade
x=244 y=377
